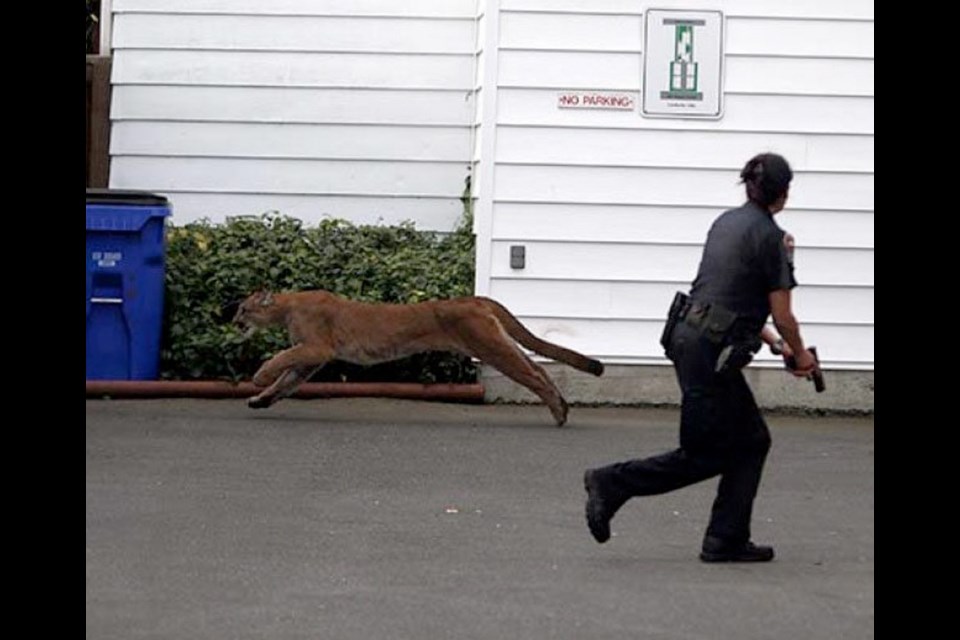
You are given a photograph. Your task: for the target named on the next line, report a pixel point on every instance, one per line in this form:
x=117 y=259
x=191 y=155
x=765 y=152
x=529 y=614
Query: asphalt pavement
x=370 y=519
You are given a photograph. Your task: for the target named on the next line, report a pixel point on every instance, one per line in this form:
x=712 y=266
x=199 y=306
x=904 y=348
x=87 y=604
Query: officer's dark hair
x=767 y=177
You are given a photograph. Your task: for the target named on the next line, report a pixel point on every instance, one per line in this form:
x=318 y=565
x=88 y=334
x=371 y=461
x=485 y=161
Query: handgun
x=816 y=376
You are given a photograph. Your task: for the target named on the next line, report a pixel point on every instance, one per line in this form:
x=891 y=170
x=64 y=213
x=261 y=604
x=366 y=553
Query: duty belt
x=713 y=321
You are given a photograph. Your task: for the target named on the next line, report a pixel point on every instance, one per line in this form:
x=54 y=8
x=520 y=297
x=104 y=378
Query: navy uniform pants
x=721 y=433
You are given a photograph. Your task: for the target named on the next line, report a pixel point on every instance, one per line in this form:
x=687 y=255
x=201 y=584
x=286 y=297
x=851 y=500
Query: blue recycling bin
x=125 y=277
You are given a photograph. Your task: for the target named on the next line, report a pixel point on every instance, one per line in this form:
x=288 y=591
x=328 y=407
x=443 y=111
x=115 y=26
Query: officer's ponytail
x=767 y=177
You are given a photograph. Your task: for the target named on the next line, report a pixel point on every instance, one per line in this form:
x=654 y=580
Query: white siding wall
x=613 y=207
x=361 y=110
x=376 y=111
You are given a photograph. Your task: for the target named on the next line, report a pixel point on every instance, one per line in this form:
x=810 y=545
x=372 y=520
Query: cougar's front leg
x=284 y=371
x=295 y=357
x=284 y=386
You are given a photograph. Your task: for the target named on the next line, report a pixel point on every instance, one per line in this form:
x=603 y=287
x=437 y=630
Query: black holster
x=678 y=309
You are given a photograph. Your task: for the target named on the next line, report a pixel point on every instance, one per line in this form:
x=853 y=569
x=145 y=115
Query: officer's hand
x=804 y=365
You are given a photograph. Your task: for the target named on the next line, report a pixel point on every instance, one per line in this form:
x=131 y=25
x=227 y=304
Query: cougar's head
x=255 y=312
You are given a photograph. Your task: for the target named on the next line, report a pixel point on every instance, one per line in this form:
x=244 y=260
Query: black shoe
x=714 y=550
x=599 y=510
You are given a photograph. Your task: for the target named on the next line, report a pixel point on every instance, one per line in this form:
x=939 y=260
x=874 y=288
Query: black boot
x=602 y=503
x=717 y=550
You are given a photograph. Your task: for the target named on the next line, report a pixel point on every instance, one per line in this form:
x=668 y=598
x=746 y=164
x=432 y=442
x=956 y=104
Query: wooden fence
x=98 y=121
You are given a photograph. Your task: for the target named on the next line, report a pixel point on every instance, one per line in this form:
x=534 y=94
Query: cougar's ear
x=266 y=299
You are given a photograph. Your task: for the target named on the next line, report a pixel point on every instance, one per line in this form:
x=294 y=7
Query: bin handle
x=106 y=300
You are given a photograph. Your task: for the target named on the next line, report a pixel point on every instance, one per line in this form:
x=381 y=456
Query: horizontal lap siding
x=845 y=115
x=668 y=224
x=704 y=149
x=376 y=111
x=293 y=105
x=672 y=186
x=809 y=9
x=362 y=110
x=569 y=31
x=621 y=71
x=293 y=69
x=301 y=177
x=409 y=8
x=649 y=300
x=317 y=141
x=667 y=263
x=637 y=342
x=613 y=208
x=598 y=32
x=429 y=212
x=300 y=33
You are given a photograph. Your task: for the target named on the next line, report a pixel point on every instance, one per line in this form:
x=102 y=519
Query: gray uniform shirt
x=744 y=259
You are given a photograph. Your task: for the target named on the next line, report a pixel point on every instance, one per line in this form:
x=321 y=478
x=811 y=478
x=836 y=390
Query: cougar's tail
x=522 y=335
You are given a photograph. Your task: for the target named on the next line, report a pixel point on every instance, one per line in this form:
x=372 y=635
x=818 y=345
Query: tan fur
x=325 y=327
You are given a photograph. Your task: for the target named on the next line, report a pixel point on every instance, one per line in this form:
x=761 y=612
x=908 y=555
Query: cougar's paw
x=256 y=402
x=560 y=412
x=596 y=367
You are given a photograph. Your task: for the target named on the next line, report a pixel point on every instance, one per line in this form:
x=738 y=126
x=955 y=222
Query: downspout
x=486 y=136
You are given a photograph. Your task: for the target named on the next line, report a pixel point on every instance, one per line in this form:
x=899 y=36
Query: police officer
x=744 y=277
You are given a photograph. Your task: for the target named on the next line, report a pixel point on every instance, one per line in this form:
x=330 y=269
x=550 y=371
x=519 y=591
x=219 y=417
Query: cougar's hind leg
x=507 y=358
x=561 y=409
x=515 y=364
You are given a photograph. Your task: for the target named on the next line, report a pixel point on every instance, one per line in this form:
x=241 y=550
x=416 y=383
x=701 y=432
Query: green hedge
x=209 y=266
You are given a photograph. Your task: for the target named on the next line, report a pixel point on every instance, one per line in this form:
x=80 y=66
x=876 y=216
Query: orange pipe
x=223 y=389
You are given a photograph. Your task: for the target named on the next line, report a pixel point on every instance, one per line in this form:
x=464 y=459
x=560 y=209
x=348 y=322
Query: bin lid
x=118 y=210
x=125 y=197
